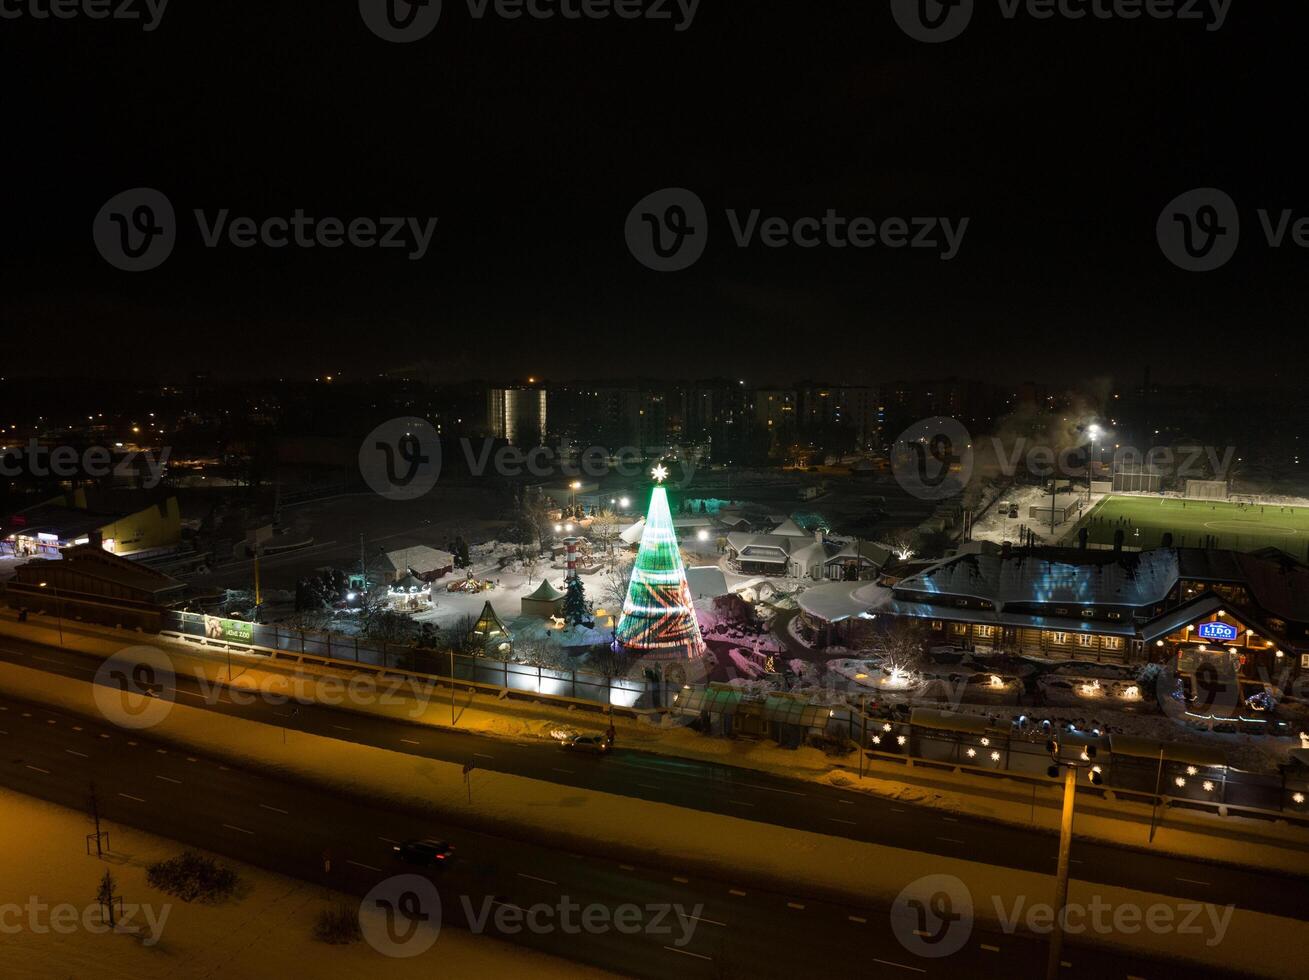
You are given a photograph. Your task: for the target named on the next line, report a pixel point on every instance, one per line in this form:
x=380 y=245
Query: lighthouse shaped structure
x=658 y=619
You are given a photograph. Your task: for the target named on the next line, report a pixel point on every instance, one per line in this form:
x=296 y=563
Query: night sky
x=530 y=140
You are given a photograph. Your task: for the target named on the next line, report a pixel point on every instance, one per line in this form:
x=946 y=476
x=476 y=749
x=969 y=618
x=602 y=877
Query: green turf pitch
x=1197 y=523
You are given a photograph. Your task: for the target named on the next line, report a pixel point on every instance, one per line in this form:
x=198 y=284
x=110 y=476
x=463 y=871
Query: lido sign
x=1219 y=632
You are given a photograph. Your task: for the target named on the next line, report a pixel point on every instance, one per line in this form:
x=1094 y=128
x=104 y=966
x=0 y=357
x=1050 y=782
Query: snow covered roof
x=870 y=550
x=1131 y=579
x=790 y=529
x=545 y=592
x=633 y=534
x=419 y=558
x=706 y=583
x=833 y=602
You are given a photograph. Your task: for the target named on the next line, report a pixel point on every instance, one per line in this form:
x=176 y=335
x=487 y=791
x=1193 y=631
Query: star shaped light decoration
x=660 y=473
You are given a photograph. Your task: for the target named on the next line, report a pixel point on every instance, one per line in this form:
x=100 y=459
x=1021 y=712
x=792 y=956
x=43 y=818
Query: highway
x=268 y=821
x=745 y=793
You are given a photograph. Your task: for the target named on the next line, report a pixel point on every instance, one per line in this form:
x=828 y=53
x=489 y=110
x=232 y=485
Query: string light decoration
x=658 y=617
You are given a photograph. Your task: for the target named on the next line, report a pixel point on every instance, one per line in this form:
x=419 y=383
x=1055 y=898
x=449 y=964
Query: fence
x=1179 y=782
x=577 y=684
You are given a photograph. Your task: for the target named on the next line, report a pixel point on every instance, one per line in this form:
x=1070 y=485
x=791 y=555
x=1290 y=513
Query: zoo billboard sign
x=229 y=630
x=1218 y=632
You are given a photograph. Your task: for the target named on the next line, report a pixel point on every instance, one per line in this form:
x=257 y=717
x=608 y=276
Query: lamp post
x=1070 y=769
x=1095 y=433
x=59 y=610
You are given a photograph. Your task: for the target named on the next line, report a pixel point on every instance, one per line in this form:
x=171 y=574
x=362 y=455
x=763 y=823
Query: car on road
x=425 y=853
x=594 y=744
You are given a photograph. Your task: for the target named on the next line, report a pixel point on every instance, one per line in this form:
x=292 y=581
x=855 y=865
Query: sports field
x=1198 y=523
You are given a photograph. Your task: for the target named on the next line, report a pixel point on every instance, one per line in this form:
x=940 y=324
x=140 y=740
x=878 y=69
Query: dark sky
x=1060 y=140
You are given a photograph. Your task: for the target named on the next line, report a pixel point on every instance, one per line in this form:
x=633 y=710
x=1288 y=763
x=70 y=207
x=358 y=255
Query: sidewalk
x=1195 y=835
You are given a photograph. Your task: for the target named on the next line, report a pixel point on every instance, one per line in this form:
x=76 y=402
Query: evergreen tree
x=576 y=609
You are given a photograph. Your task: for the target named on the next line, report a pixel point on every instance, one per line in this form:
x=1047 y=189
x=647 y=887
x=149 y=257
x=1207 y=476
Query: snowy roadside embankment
x=602 y=823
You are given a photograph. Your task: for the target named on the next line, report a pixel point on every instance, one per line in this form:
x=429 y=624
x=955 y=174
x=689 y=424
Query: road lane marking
x=839 y=820
x=77 y=728
x=626 y=867
x=950 y=840
x=275 y=809
x=44 y=772
x=712 y=922
x=170 y=779
x=990 y=949
x=951 y=819
x=81 y=755
x=846 y=802
x=1192 y=881
x=687 y=952
x=366 y=867
x=858 y=918
x=647 y=786
x=680 y=880
x=740 y=802
x=341 y=728
x=239 y=830
x=482 y=755
x=410 y=741
x=568 y=771
x=795 y=905
x=134 y=799
x=387 y=840
x=544 y=881
x=737 y=892
x=770 y=789
x=901 y=966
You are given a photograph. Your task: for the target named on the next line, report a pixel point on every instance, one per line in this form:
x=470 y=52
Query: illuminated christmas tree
x=658 y=618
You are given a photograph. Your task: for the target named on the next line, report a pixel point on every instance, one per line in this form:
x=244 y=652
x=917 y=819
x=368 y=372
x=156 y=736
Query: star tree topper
x=660 y=473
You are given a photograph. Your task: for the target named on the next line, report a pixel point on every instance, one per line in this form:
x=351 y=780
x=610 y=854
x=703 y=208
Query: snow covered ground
x=265 y=931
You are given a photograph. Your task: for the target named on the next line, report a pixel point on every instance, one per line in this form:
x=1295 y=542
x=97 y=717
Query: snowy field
x=265 y=931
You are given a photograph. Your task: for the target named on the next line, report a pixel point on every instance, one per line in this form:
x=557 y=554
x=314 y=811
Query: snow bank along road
x=744 y=793
x=289 y=827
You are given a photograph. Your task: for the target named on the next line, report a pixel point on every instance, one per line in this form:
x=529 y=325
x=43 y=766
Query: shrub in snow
x=193 y=877
x=338 y=925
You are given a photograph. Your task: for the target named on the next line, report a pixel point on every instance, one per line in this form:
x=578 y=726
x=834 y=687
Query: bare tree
x=531 y=562
x=604 y=529
x=902 y=543
x=613 y=587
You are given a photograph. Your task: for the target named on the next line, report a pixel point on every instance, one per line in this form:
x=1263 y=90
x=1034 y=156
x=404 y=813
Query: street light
x=1086 y=761
x=59 y=610
x=1095 y=432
